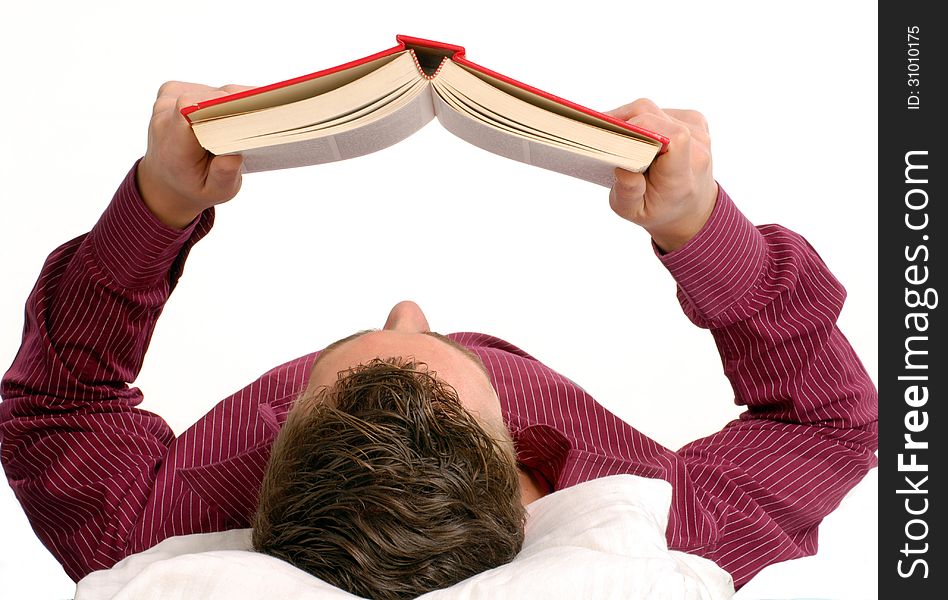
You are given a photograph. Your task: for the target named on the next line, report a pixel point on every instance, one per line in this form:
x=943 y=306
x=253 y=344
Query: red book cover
x=428 y=55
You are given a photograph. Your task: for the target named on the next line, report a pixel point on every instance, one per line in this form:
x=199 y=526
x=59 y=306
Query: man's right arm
x=77 y=452
x=179 y=179
x=754 y=493
x=80 y=456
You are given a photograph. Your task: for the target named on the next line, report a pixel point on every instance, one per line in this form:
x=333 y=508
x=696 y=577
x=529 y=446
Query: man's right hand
x=177 y=178
x=674 y=198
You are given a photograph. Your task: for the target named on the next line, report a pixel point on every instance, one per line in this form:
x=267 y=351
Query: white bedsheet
x=602 y=539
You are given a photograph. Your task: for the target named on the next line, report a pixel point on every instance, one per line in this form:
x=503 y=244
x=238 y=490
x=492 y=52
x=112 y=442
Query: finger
x=181 y=102
x=223 y=178
x=678 y=157
x=627 y=196
x=163 y=104
x=629 y=181
x=194 y=97
x=694 y=120
x=180 y=129
x=233 y=88
x=190 y=99
x=200 y=96
x=634 y=109
x=176 y=88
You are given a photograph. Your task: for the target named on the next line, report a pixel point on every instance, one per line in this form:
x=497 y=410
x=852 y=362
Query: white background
x=305 y=256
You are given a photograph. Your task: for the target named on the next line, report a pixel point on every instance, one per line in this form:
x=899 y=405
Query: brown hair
x=385 y=486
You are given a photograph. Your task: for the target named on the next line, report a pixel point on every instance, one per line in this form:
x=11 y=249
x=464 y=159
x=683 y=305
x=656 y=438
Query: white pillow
x=601 y=539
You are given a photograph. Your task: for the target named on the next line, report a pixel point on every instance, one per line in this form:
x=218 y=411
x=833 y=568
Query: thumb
x=627 y=197
x=223 y=177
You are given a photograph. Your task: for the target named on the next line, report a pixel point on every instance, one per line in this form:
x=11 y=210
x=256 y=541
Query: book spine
x=421 y=70
x=408 y=41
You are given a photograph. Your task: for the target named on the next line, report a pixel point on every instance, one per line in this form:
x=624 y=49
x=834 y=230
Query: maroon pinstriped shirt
x=100 y=479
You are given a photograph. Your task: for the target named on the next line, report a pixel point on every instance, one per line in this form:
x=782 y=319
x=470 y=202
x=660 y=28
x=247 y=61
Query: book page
x=350 y=117
x=550 y=105
x=224 y=135
x=597 y=168
x=501 y=122
x=382 y=130
x=488 y=102
x=291 y=93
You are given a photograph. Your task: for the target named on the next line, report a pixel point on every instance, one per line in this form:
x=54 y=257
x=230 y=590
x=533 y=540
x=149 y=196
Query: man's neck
x=530 y=488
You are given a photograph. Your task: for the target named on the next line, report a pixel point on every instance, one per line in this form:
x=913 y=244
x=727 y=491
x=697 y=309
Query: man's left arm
x=765 y=481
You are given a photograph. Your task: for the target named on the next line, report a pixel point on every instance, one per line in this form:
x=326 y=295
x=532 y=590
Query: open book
x=371 y=103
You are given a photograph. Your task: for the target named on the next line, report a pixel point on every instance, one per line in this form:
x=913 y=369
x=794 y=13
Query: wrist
x=674 y=234
x=167 y=206
x=133 y=247
x=719 y=266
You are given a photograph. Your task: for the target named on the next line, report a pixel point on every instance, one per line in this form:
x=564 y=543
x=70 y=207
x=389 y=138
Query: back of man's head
x=385 y=486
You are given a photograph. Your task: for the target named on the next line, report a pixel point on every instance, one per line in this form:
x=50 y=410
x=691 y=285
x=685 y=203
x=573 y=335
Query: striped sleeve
x=809 y=432
x=78 y=454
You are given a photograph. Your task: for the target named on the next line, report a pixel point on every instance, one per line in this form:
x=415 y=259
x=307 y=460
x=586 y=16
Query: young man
x=399 y=459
